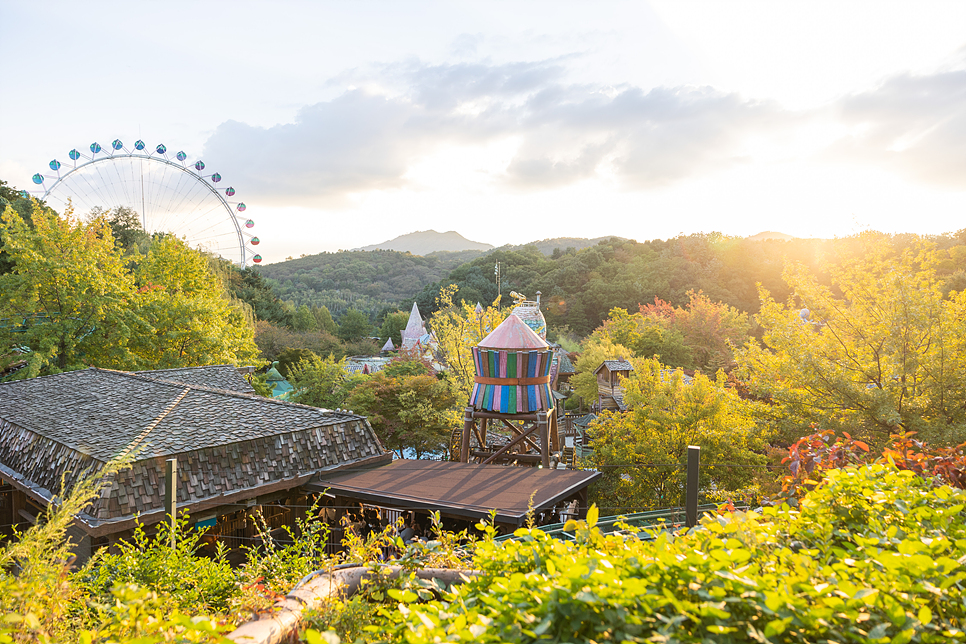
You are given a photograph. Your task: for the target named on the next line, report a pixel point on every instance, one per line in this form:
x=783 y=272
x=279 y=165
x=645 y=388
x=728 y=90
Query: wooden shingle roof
x=222 y=376
x=227 y=443
x=615 y=365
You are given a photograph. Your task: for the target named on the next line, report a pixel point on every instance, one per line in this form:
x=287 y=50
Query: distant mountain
x=429 y=241
x=770 y=235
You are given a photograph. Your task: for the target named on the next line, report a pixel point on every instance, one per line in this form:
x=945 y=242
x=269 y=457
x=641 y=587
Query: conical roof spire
x=513 y=334
x=415 y=328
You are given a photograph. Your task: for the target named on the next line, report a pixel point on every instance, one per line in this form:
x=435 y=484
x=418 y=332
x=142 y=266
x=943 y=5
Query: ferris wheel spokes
x=170 y=194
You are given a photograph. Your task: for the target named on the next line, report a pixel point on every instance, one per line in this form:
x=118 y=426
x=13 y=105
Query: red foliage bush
x=811 y=455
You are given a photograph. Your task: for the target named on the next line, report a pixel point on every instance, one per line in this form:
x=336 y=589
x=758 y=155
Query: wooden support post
x=582 y=504
x=691 y=502
x=481 y=433
x=465 y=443
x=544 y=425
x=554 y=432
x=171 y=495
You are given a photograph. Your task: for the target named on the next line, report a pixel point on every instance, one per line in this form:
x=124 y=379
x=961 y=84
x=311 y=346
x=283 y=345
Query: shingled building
x=234 y=449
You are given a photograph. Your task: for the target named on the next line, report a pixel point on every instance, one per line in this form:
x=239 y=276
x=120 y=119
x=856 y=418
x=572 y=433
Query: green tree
x=324 y=320
x=10 y=196
x=596 y=350
x=126 y=227
x=291 y=357
x=392 y=326
x=642 y=453
x=879 y=352
x=188 y=315
x=417 y=412
x=354 y=325
x=303 y=320
x=68 y=296
x=248 y=285
x=647 y=336
x=322 y=382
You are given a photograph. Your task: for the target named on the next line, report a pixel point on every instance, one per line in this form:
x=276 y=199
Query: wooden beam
x=171 y=495
x=480 y=429
x=544 y=425
x=465 y=442
x=691 y=500
x=516 y=430
x=522 y=458
x=507 y=447
x=554 y=435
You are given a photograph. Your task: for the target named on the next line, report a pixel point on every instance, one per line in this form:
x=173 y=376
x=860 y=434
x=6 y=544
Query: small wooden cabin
x=610 y=393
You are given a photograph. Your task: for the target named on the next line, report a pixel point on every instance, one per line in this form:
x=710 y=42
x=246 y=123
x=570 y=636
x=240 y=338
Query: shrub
x=275 y=566
x=190 y=583
x=873 y=556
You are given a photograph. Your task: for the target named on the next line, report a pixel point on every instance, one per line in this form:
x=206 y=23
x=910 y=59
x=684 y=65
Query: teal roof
x=280 y=388
x=272 y=375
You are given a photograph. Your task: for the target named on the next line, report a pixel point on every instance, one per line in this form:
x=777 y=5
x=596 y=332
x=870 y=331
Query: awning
x=466 y=490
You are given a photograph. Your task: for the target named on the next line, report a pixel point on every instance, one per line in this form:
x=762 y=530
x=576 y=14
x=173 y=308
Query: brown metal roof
x=461 y=489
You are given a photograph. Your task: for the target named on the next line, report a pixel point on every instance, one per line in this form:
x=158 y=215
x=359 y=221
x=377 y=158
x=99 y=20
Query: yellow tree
x=68 y=296
x=879 y=352
x=642 y=452
x=458 y=328
x=596 y=349
x=188 y=316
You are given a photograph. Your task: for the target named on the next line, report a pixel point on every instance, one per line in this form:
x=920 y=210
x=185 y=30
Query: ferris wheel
x=168 y=194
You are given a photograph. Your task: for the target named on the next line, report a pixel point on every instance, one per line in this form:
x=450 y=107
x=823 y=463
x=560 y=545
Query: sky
x=346 y=124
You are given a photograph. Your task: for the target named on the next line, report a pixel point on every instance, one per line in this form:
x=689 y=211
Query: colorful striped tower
x=511 y=385
x=512 y=370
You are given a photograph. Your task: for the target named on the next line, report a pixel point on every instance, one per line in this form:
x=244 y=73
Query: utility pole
x=691 y=500
x=499 y=286
x=171 y=495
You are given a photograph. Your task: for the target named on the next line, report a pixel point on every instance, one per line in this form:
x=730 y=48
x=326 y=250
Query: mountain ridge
x=424 y=242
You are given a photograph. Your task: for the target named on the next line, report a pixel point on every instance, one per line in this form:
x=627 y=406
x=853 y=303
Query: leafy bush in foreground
x=187 y=582
x=873 y=555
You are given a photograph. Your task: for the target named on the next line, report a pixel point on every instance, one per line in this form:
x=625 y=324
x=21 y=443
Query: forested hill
x=373 y=280
x=558 y=245
x=368 y=281
x=580 y=286
x=426 y=242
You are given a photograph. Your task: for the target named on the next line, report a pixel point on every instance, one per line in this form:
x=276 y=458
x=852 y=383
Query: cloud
x=355 y=142
x=645 y=138
x=465 y=45
x=913 y=124
x=367 y=138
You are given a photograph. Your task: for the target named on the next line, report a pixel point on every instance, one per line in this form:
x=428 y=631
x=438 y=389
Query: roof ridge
x=182 y=385
x=207 y=366
x=154 y=423
x=224 y=392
